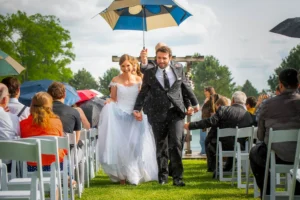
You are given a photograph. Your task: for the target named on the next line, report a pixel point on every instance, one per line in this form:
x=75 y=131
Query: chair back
x=278 y=136
x=22 y=151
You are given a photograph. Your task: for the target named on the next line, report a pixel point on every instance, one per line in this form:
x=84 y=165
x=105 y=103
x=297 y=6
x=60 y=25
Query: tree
x=39 y=43
x=249 y=90
x=84 y=80
x=292 y=61
x=211 y=73
x=106 y=79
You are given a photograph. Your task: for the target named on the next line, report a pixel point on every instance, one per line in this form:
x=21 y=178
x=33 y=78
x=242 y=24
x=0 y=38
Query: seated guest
x=70 y=119
x=222 y=101
x=85 y=122
x=15 y=107
x=42 y=122
x=250 y=105
x=9 y=123
x=280 y=112
x=225 y=117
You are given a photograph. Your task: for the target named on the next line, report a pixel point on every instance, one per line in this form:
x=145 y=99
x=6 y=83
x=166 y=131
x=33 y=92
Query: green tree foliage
x=84 y=80
x=292 y=61
x=39 y=43
x=249 y=90
x=211 y=73
x=106 y=79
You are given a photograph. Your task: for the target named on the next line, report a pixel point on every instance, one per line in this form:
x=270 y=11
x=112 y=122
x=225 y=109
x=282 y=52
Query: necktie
x=166 y=80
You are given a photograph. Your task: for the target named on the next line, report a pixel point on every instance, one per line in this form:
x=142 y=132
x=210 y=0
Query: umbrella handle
x=144 y=19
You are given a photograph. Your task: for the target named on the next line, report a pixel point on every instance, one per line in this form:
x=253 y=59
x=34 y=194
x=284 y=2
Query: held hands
x=144 y=56
x=138 y=115
x=197 y=108
x=190 y=111
x=6 y=109
x=186 y=126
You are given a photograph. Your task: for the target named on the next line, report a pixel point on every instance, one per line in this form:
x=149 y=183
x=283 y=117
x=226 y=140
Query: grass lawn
x=199 y=185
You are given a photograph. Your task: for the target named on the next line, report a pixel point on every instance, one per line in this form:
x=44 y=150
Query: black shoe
x=178 y=183
x=227 y=169
x=163 y=181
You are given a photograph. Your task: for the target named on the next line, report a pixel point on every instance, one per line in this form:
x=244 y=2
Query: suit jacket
x=158 y=99
x=280 y=113
x=225 y=117
x=186 y=98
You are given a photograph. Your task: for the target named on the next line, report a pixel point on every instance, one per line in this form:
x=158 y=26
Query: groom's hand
x=190 y=111
x=138 y=115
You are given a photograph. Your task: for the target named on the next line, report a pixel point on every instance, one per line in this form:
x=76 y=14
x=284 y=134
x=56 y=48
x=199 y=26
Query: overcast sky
x=235 y=32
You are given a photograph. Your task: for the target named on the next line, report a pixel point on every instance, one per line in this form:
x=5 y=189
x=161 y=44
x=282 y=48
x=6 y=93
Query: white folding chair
x=94 y=134
x=63 y=143
x=74 y=161
x=277 y=137
x=90 y=156
x=295 y=171
x=84 y=139
x=220 y=153
x=52 y=179
x=242 y=155
x=10 y=150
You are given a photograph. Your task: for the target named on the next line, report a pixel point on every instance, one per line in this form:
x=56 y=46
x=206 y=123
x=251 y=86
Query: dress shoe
x=163 y=182
x=178 y=183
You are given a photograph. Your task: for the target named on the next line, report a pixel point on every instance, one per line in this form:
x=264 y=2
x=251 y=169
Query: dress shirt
x=160 y=75
x=15 y=107
x=9 y=126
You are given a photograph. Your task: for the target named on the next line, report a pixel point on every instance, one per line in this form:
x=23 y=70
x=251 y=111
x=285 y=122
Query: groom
x=165 y=85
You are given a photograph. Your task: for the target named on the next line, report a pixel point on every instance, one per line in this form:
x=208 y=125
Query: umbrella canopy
x=92 y=109
x=144 y=15
x=30 y=88
x=99 y=94
x=8 y=66
x=289 y=27
x=85 y=95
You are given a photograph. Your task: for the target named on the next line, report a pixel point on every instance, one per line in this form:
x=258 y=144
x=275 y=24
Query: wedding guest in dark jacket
x=280 y=113
x=232 y=116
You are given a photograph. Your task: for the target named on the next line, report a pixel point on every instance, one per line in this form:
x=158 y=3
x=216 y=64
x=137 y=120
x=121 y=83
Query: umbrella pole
x=144 y=24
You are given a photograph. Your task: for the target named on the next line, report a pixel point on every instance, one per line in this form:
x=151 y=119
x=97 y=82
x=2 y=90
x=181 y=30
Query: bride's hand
x=138 y=115
x=107 y=101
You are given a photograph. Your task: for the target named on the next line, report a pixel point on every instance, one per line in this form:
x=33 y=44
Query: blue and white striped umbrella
x=144 y=15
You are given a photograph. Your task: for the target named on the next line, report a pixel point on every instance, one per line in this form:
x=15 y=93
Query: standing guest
x=280 y=113
x=15 y=107
x=208 y=109
x=164 y=85
x=9 y=123
x=250 y=104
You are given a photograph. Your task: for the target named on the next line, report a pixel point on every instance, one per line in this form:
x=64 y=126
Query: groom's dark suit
x=166 y=112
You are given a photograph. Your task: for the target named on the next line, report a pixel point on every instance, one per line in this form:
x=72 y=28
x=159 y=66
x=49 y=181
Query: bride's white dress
x=126 y=146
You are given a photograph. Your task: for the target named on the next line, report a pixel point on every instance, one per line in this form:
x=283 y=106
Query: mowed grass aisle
x=199 y=185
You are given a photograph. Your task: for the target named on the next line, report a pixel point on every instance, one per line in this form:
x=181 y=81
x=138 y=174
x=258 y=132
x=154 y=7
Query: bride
x=126 y=146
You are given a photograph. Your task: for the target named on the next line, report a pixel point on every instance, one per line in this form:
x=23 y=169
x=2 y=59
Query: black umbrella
x=92 y=109
x=289 y=27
